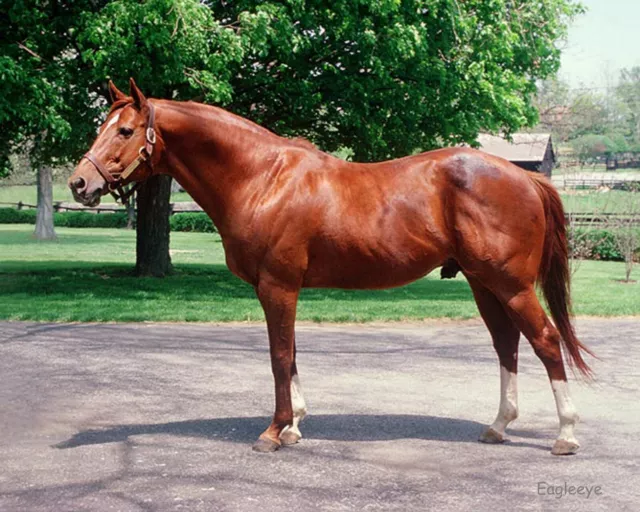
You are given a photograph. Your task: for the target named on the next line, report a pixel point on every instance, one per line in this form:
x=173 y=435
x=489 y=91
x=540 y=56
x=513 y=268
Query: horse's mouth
x=90 y=201
x=93 y=202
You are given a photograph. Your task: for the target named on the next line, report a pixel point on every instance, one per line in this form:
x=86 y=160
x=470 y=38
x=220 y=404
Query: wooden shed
x=531 y=151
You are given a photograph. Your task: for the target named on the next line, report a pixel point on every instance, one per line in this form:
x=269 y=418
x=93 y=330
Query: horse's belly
x=345 y=269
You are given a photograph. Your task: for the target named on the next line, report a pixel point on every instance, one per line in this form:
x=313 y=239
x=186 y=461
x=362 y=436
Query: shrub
x=90 y=220
x=597 y=244
x=605 y=247
x=13 y=216
x=194 y=222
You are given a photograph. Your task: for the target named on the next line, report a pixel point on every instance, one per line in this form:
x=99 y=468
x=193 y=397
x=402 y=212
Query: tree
x=590 y=147
x=387 y=78
x=626 y=228
x=552 y=100
x=29 y=106
x=383 y=78
x=628 y=93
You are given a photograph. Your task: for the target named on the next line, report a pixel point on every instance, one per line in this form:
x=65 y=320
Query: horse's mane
x=305 y=143
x=297 y=141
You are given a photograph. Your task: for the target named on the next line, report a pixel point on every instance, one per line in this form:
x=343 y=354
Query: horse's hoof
x=290 y=437
x=491 y=436
x=564 y=447
x=265 y=446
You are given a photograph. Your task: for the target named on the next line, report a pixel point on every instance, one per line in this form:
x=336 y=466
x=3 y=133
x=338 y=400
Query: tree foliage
x=384 y=78
x=628 y=94
x=608 y=119
x=388 y=77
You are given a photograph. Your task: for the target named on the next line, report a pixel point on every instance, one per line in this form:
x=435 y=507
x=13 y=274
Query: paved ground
x=162 y=417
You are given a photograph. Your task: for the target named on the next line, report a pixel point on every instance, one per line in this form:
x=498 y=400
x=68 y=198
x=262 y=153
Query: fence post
x=19 y=205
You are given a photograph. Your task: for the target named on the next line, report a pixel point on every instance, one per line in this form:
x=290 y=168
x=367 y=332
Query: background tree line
x=595 y=122
x=384 y=78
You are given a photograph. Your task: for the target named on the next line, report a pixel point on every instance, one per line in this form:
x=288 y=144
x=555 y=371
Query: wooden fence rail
x=594 y=183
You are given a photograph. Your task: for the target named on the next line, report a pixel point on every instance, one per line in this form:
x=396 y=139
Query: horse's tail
x=554 y=274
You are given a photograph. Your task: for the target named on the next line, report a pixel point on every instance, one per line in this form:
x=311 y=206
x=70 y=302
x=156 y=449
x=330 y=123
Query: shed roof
x=525 y=147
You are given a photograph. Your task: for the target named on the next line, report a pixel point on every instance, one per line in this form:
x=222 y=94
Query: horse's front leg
x=279 y=302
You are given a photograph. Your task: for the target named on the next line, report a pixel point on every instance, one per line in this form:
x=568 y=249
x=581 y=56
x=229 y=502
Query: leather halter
x=116 y=181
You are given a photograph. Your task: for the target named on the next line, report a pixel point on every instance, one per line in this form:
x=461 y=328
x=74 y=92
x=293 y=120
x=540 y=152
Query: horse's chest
x=240 y=260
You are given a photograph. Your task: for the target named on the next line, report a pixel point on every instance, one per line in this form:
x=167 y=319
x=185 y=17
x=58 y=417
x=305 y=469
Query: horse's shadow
x=334 y=427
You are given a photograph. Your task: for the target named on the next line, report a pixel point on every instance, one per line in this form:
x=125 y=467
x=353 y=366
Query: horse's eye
x=126 y=132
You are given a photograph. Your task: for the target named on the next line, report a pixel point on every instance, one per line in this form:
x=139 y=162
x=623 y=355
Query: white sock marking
x=508 y=410
x=566 y=410
x=297 y=403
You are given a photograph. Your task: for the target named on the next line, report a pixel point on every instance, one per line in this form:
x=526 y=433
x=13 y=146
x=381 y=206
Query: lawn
x=593 y=201
x=86 y=276
x=28 y=194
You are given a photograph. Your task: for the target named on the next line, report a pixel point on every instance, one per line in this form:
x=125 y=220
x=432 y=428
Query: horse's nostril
x=78 y=184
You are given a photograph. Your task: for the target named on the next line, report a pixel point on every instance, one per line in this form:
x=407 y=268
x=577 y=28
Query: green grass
x=592 y=201
x=28 y=194
x=86 y=276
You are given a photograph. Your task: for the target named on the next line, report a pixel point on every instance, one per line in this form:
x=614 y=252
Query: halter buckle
x=151 y=136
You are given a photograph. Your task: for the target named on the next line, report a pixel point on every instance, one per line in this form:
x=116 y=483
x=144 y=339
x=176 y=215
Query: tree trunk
x=131 y=212
x=152 y=228
x=44 y=218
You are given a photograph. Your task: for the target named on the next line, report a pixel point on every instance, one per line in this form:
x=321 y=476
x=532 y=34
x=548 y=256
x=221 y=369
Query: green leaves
x=383 y=78
x=386 y=78
x=174 y=48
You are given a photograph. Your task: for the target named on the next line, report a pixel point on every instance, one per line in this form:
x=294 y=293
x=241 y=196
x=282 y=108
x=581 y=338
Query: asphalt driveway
x=162 y=416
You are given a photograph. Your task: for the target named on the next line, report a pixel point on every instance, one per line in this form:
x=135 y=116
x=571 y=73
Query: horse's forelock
x=117 y=105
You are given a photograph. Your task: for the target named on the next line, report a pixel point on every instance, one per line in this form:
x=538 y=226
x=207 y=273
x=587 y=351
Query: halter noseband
x=116 y=181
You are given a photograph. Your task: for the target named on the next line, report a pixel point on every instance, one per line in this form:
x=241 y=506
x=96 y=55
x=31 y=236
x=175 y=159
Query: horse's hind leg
x=505 y=335
x=526 y=311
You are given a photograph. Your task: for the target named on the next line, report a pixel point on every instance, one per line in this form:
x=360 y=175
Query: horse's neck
x=213 y=155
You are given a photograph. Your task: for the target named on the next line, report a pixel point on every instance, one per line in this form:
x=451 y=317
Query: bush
x=597 y=244
x=605 y=247
x=13 y=216
x=194 y=222
x=190 y=222
x=90 y=220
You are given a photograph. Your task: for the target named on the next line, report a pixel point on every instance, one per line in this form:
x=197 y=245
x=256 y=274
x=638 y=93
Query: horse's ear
x=115 y=93
x=138 y=98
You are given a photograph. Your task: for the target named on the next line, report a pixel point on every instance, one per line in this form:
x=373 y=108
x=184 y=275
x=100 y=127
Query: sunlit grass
x=86 y=276
x=28 y=194
x=594 y=201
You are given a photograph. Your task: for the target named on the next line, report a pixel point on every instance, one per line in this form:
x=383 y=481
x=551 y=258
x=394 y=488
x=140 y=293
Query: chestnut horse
x=291 y=216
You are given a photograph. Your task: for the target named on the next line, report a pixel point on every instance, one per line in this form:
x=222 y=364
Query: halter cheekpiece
x=116 y=180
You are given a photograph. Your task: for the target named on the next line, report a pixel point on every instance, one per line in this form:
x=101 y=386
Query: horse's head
x=123 y=151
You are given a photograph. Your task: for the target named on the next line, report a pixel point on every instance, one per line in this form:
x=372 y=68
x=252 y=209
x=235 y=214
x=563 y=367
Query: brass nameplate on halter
x=132 y=167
